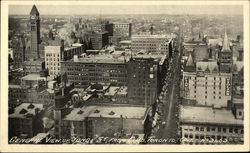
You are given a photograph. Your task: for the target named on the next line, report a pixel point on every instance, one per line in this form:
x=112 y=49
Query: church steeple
x=225 y=46
x=34 y=11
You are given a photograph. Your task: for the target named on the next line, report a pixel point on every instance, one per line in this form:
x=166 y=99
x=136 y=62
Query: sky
x=126 y=9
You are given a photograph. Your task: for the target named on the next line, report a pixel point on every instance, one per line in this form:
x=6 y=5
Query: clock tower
x=35 y=33
x=225 y=57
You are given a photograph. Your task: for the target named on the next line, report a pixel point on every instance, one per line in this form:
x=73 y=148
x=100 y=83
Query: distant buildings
x=34 y=66
x=99 y=40
x=154 y=44
x=122 y=29
x=19 y=46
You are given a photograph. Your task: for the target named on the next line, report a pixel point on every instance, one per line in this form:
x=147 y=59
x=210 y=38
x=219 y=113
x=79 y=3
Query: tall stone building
x=33 y=53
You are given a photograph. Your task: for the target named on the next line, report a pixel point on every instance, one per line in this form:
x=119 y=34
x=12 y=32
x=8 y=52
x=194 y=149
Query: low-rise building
x=207 y=125
x=25 y=121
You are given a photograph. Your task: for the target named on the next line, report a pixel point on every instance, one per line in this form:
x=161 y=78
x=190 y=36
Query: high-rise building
x=204 y=85
x=99 y=40
x=19 y=46
x=122 y=29
x=54 y=54
x=33 y=53
x=95 y=69
x=150 y=43
x=146 y=73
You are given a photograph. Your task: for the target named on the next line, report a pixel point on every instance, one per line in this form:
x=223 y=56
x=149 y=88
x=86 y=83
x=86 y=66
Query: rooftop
x=102 y=59
x=207 y=65
x=151 y=36
x=33 y=77
x=208 y=115
x=79 y=114
x=112 y=91
x=25 y=109
x=117 y=112
x=123 y=90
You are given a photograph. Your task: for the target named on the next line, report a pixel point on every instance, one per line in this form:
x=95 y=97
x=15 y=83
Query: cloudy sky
x=126 y=9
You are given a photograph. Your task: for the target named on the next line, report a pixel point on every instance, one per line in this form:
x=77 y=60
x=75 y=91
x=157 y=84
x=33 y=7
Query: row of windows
x=206 y=92
x=219 y=129
x=206 y=97
x=214 y=87
x=207 y=77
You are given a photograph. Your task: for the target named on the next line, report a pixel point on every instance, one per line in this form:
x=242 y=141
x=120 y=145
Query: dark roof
x=34 y=11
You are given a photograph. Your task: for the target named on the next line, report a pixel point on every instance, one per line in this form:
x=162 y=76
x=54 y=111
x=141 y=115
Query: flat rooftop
x=118 y=111
x=123 y=90
x=102 y=59
x=33 y=77
x=208 y=115
x=24 y=109
x=79 y=114
x=112 y=91
x=151 y=36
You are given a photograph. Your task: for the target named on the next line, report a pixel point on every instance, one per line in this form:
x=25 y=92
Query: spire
x=225 y=43
x=34 y=11
x=190 y=61
x=190 y=67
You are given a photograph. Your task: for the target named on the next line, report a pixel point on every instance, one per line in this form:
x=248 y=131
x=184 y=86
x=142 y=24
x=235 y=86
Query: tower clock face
x=32 y=17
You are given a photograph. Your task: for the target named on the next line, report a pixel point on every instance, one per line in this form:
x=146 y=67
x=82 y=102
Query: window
x=191 y=136
x=240 y=113
x=219 y=97
x=186 y=135
x=230 y=130
x=197 y=128
x=213 y=129
x=219 y=129
x=202 y=129
x=242 y=131
x=208 y=128
x=235 y=130
x=206 y=97
x=214 y=97
x=202 y=136
x=205 y=92
x=196 y=136
x=218 y=137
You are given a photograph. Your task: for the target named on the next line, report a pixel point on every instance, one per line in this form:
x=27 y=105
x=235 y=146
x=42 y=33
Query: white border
x=114 y=148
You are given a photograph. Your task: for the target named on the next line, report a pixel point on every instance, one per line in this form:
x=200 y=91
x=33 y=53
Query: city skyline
x=126 y=9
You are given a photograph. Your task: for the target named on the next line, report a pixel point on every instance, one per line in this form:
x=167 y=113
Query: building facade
x=25 y=120
x=122 y=29
x=96 y=69
x=219 y=127
x=154 y=44
x=99 y=40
